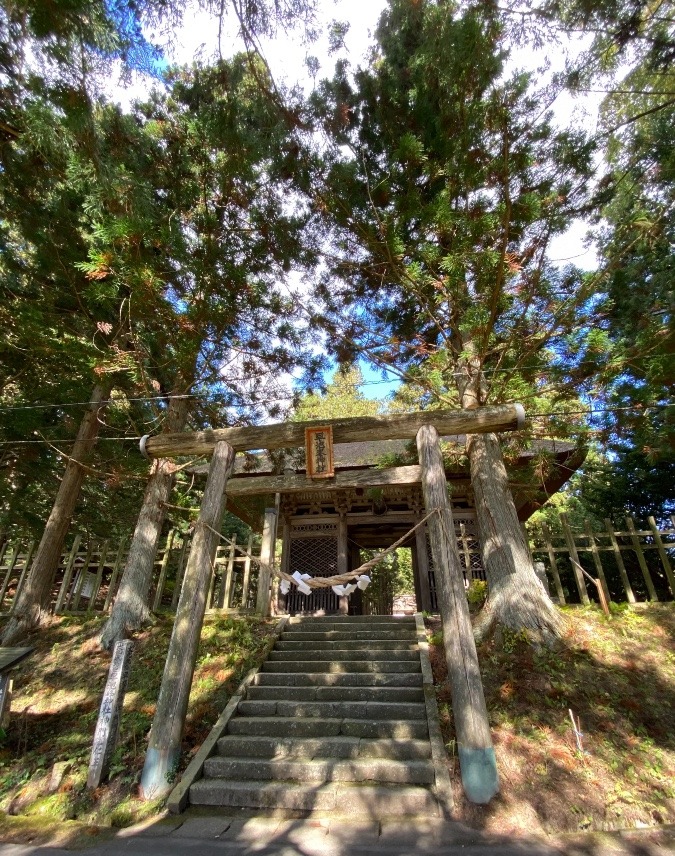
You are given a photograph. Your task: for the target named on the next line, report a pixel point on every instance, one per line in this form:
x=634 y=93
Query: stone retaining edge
x=179 y=796
x=442 y=787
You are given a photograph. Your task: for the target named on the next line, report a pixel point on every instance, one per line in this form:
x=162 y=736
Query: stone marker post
x=108 y=722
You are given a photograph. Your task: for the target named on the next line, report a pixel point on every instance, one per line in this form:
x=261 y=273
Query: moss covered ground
x=45 y=748
x=617 y=676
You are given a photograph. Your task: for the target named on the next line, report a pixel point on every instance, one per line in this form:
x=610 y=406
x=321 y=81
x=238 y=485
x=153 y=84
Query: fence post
x=665 y=561
x=162 y=571
x=115 y=574
x=103 y=555
x=74 y=601
x=546 y=537
x=572 y=547
x=67 y=575
x=10 y=570
x=225 y=591
x=641 y=558
x=619 y=561
x=24 y=571
x=182 y=559
x=596 y=559
x=214 y=574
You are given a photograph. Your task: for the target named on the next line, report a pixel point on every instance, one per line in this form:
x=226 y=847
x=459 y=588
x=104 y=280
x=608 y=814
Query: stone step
x=321 y=770
x=315 y=726
x=358 y=800
x=334 y=721
x=346 y=646
x=337 y=627
x=344 y=656
x=338 y=679
x=334 y=709
x=310 y=666
x=395 y=694
x=246 y=746
x=348 y=635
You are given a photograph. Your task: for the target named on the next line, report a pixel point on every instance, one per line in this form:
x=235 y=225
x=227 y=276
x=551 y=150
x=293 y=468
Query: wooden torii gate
x=475 y=750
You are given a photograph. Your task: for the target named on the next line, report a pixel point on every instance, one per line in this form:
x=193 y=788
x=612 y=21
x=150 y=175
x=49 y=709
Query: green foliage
x=156 y=243
x=625 y=360
x=443 y=187
x=392 y=576
x=60 y=697
x=342 y=397
x=628 y=481
x=403 y=572
x=476 y=594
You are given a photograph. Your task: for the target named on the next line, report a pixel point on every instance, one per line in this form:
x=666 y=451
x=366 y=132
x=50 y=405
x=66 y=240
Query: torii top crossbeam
x=282 y=435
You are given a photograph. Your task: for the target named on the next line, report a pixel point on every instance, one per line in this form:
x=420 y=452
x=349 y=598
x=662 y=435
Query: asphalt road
x=208 y=835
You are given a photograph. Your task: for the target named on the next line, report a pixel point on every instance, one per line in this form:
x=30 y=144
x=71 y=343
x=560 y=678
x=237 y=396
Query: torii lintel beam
x=283 y=435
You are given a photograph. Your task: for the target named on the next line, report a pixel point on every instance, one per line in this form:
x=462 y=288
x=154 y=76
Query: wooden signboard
x=319 y=452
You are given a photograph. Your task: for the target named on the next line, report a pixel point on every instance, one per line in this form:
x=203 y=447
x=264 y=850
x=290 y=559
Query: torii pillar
x=164 y=742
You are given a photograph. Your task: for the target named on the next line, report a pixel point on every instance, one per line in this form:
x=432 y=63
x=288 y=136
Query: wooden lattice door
x=313 y=550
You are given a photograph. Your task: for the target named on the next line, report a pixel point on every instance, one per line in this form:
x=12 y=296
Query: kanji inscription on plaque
x=319 y=451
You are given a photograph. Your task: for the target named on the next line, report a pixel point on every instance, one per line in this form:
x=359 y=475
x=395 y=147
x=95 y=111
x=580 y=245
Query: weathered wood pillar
x=355 y=562
x=164 y=741
x=422 y=557
x=286 y=545
x=343 y=557
x=642 y=562
x=285 y=555
x=618 y=558
x=597 y=562
x=546 y=535
x=269 y=539
x=665 y=561
x=574 y=555
x=478 y=765
x=416 y=577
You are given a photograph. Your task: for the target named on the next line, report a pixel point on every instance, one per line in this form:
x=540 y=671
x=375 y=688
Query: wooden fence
x=630 y=564
x=88 y=574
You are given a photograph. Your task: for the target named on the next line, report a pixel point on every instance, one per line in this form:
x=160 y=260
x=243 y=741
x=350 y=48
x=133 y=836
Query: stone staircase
x=337 y=719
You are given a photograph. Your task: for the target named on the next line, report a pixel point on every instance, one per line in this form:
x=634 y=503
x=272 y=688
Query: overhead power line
x=262 y=401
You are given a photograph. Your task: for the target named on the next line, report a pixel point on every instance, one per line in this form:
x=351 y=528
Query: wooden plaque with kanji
x=319 y=451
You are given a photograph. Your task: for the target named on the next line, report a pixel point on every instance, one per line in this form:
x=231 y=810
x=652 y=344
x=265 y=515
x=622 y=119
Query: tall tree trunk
x=33 y=600
x=130 y=609
x=516 y=597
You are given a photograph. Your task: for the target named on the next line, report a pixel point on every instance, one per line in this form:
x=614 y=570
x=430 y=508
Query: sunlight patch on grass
x=618 y=676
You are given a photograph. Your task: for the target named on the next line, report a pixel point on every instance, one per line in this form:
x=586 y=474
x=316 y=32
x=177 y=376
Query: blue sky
x=374 y=386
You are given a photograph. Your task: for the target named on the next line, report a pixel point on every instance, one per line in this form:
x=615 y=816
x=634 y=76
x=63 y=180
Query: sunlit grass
x=55 y=708
x=618 y=677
